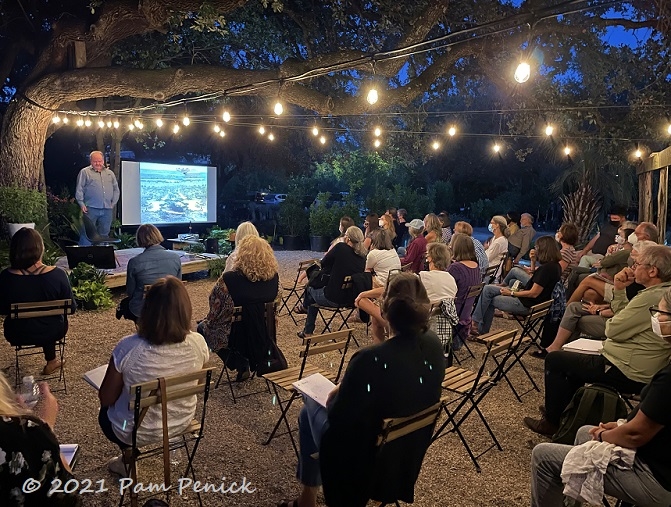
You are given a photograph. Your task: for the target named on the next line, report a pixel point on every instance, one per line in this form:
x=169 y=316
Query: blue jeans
x=313 y=296
x=312 y=424
x=517 y=274
x=102 y=219
x=490 y=299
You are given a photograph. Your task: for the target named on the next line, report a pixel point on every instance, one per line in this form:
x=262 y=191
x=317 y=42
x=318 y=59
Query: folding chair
x=473 y=294
x=41 y=309
x=344 y=312
x=295 y=290
x=470 y=387
x=395 y=429
x=269 y=314
x=490 y=274
x=158 y=394
x=282 y=381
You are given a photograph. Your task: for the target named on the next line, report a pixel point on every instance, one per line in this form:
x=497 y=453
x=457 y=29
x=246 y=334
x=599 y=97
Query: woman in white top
x=439 y=284
x=163 y=346
x=244 y=229
x=381 y=258
x=498 y=246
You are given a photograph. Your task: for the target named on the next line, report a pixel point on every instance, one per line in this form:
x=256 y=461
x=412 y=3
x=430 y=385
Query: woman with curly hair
x=433 y=229
x=253 y=282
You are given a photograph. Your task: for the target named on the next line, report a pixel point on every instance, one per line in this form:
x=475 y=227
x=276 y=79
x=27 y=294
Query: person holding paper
x=30 y=452
x=396 y=378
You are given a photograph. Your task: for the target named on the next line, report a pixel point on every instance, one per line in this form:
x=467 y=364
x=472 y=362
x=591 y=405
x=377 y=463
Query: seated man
x=521 y=239
x=632 y=352
x=647 y=430
x=598 y=245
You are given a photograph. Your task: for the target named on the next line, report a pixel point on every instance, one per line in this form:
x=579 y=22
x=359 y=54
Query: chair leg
x=283 y=418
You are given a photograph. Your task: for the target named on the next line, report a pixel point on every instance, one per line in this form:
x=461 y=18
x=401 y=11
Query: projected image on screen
x=172 y=193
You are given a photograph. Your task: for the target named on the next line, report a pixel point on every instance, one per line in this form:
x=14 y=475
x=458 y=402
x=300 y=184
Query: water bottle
x=30 y=392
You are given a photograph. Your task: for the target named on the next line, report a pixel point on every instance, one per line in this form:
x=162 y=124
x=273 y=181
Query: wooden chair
x=269 y=315
x=294 y=291
x=37 y=309
x=282 y=381
x=470 y=387
x=473 y=294
x=151 y=394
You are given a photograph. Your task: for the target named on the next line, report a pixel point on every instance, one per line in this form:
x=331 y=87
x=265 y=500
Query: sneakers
x=117 y=466
x=303 y=335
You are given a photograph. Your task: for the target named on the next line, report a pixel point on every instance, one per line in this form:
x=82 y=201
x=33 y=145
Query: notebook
x=70 y=453
x=95 y=377
x=316 y=386
x=584 y=346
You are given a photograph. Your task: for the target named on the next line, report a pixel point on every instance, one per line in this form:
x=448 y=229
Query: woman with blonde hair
x=387 y=223
x=433 y=229
x=30 y=451
x=498 y=246
x=244 y=229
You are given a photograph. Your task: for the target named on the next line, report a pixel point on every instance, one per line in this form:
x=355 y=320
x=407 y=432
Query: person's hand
x=47 y=407
x=624 y=279
x=527 y=270
x=532 y=254
x=332 y=394
x=506 y=292
x=590 y=308
x=597 y=430
x=84 y=208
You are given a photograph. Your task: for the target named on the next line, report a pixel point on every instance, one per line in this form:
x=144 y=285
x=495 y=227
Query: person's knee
x=582 y=435
x=539 y=455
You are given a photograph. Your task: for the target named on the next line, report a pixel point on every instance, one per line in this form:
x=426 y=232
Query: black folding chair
x=294 y=291
x=344 y=312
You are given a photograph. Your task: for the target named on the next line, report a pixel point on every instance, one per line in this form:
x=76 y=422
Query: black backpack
x=591 y=404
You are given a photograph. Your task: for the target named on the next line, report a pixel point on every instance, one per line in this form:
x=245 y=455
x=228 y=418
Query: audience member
x=153 y=263
x=498 y=246
x=401 y=229
x=380 y=382
x=164 y=345
x=567 y=236
x=387 y=223
x=29 y=280
x=481 y=255
x=446 y=229
x=416 y=251
x=345 y=259
x=252 y=283
x=372 y=222
x=632 y=352
x=438 y=282
x=244 y=229
x=519 y=242
x=432 y=228
x=597 y=247
x=647 y=431
x=345 y=223
x=466 y=273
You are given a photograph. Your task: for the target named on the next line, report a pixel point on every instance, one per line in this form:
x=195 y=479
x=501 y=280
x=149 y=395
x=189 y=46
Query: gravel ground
x=232 y=445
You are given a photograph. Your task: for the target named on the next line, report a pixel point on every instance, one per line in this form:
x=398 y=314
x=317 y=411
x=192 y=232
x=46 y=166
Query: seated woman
x=164 y=345
x=144 y=269
x=29 y=280
x=537 y=290
x=441 y=289
x=345 y=259
x=647 y=431
x=498 y=246
x=380 y=260
x=445 y=222
x=433 y=229
x=253 y=283
x=387 y=223
x=372 y=222
x=380 y=381
x=30 y=451
x=466 y=273
x=416 y=250
x=244 y=229
x=480 y=254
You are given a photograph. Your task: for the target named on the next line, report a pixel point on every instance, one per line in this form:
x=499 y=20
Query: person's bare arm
x=632 y=434
x=111 y=387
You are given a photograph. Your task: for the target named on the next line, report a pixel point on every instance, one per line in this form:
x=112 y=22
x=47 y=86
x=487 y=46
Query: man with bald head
x=97 y=192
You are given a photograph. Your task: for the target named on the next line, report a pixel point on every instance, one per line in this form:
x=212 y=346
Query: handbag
x=318 y=279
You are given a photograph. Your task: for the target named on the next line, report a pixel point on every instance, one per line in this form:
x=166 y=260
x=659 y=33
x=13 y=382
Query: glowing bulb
x=56 y=119
x=140 y=126
x=372 y=96
x=226 y=116
x=87 y=122
x=271 y=136
x=186 y=121
x=222 y=133
x=322 y=140
x=279 y=109
x=668 y=129
x=159 y=122
x=497 y=148
x=101 y=123
x=523 y=72
x=262 y=130
x=452 y=131
x=217 y=128
x=131 y=127
x=435 y=145
x=136 y=122
x=80 y=122
x=377 y=132
x=66 y=120
x=567 y=150
x=175 y=128
x=116 y=124
x=109 y=124
x=315 y=131
x=549 y=130
x=638 y=153
x=377 y=143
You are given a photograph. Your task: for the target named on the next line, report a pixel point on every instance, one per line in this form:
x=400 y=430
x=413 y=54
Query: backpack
x=591 y=404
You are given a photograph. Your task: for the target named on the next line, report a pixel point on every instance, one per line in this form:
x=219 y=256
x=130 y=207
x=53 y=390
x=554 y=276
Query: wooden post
x=662 y=202
x=645 y=197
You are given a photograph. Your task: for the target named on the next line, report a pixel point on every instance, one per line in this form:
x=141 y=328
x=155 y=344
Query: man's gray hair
x=98 y=152
x=529 y=217
x=658 y=256
x=650 y=230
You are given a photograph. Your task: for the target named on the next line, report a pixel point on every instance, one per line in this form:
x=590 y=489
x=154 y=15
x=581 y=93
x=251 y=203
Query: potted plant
x=22 y=207
x=322 y=223
x=293 y=220
x=93 y=295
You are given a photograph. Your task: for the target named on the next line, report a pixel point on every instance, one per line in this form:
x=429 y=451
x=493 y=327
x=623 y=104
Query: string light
x=222 y=133
x=451 y=131
x=497 y=147
x=87 y=122
x=101 y=123
x=315 y=131
x=66 y=120
x=226 y=116
x=262 y=130
x=138 y=123
x=322 y=140
x=377 y=143
x=522 y=72
x=217 y=128
x=271 y=136
x=116 y=124
x=159 y=122
x=56 y=119
x=279 y=108
x=435 y=145
x=638 y=153
x=131 y=127
x=668 y=129
x=109 y=124
x=186 y=121
x=175 y=128
x=549 y=129
x=80 y=122
x=377 y=132
x=567 y=150
x=372 y=96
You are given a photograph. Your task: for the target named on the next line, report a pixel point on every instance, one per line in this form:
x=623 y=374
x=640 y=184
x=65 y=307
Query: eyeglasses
x=655 y=311
x=637 y=264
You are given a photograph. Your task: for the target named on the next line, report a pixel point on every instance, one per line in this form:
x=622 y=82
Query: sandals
x=48 y=370
x=300 y=309
x=284 y=503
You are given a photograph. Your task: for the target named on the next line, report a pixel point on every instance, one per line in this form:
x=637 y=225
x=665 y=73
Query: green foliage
x=216 y=267
x=93 y=294
x=222 y=236
x=323 y=217
x=52 y=253
x=22 y=205
x=196 y=248
x=127 y=240
x=4 y=254
x=293 y=219
x=64 y=213
x=84 y=272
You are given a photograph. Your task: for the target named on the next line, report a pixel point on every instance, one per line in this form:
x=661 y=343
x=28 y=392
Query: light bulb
x=435 y=145
x=523 y=72
x=638 y=153
x=175 y=128
x=377 y=143
x=262 y=130
x=271 y=136
x=217 y=128
x=497 y=148
x=159 y=122
x=101 y=123
x=668 y=129
x=131 y=126
x=80 y=122
x=186 y=121
x=116 y=124
x=136 y=122
x=372 y=96
x=87 y=122
x=549 y=130
x=66 y=120
x=109 y=124
x=279 y=109
x=56 y=119
x=226 y=116
x=222 y=133
x=377 y=131
x=315 y=131
x=322 y=140
x=567 y=150
x=452 y=131
x=140 y=126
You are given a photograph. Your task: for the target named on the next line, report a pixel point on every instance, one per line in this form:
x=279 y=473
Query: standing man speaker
x=97 y=193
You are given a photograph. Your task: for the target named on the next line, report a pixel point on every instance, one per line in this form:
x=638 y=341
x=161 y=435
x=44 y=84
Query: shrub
x=22 y=206
x=323 y=219
x=93 y=295
x=84 y=272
